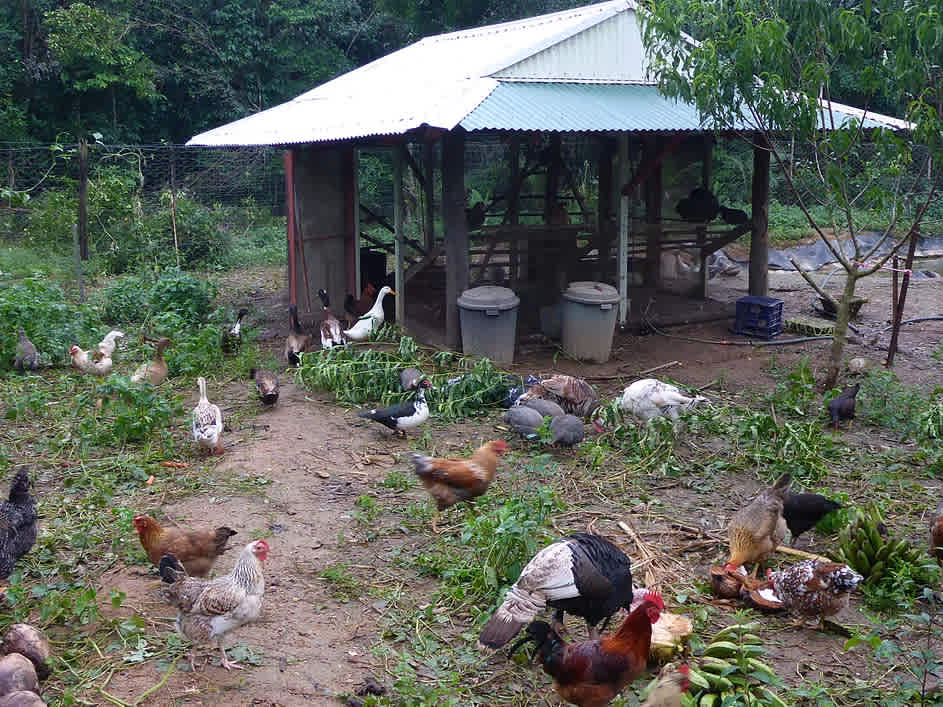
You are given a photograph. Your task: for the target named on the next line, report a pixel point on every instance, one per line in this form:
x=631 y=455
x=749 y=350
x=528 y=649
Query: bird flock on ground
x=581 y=574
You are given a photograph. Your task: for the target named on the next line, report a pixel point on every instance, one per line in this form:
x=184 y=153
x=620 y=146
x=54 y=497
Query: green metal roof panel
x=591 y=107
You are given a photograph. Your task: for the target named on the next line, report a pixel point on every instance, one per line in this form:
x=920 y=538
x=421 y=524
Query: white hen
x=648 y=398
x=207 y=421
x=107 y=345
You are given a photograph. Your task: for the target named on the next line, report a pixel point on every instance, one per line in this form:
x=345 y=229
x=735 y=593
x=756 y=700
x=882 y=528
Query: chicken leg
x=435 y=518
x=225 y=662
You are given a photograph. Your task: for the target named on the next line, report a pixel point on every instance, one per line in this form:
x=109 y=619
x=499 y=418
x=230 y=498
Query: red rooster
x=450 y=481
x=592 y=673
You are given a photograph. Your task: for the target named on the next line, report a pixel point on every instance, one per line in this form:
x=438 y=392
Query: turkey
x=580 y=574
x=649 y=398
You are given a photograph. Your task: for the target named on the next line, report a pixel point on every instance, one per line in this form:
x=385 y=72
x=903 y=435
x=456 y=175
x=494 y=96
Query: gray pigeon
x=524 y=420
x=566 y=430
x=545 y=407
x=26 y=354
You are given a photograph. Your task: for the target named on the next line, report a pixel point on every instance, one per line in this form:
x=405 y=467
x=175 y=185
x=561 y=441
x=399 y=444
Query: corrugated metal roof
x=436 y=81
x=581 y=107
x=466 y=78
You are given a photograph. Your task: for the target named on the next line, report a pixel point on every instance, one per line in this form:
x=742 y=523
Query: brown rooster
x=592 y=673
x=936 y=534
x=450 y=481
x=758 y=528
x=196 y=549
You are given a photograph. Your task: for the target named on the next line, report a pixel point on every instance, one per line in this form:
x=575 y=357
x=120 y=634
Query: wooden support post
x=77 y=252
x=604 y=210
x=902 y=297
x=514 y=206
x=173 y=203
x=351 y=240
x=653 y=199
x=759 y=239
x=428 y=220
x=707 y=158
x=83 y=200
x=398 y=235
x=456 y=230
x=290 y=222
x=624 y=225
x=358 y=277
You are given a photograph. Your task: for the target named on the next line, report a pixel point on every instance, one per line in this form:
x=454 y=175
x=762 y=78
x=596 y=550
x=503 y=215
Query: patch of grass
x=885 y=401
x=342 y=582
x=398 y=480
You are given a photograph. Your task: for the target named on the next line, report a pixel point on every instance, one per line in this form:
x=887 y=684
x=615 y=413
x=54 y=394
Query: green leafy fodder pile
x=358 y=374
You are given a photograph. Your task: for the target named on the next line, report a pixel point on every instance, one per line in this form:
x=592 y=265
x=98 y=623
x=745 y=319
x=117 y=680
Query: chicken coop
x=527 y=154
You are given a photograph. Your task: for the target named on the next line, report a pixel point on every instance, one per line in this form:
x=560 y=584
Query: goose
x=331 y=335
x=231 y=338
x=297 y=341
x=207 y=421
x=266 y=383
x=371 y=320
x=402 y=416
x=154 y=372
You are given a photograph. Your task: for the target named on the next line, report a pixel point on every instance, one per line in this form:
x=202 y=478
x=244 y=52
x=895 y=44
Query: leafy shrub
x=887 y=402
x=52 y=323
x=200 y=234
x=182 y=293
x=130 y=412
x=51 y=216
x=126 y=299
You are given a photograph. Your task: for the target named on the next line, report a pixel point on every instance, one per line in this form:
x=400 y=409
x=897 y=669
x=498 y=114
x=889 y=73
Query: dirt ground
x=312 y=459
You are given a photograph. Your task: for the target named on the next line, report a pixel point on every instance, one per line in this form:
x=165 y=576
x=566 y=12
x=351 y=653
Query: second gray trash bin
x=488 y=316
x=588 y=319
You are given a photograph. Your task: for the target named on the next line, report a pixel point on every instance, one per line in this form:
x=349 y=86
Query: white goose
x=371 y=320
x=207 y=421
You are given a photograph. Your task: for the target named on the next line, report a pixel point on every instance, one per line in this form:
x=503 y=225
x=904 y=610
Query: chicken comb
x=684 y=670
x=654 y=598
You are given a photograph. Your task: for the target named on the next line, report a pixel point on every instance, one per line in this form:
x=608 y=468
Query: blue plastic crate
x=760 y=317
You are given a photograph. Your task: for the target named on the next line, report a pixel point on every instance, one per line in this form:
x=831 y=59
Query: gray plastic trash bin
x=588 y=320
x=488 y=316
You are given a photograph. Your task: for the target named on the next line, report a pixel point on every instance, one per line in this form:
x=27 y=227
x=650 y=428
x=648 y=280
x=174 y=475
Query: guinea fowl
x=843 y=407
x=231 y=338
x=756 y=530
x=410 y=378
x=545 y=407
x=297 y=341
x=936 y=534
x=27 y=358
x=803 y=510
x=402 y=416
x=18 y=523
x=580 y=574
x=566 y=430
x=524 y=420
x=331 y=335
x=266 y=383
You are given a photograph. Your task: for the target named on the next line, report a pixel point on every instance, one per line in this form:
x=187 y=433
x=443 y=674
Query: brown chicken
x=357 y=308
x=936 y=534
x=592 y=673
x=450 y=481
x=670 y=686
x=758 y=528
x=196 y=549
x=813 y=588
x=209 y=609
x=574 y=395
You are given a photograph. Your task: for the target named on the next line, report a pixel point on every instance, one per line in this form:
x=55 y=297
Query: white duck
x=648 y=398
x=207 y=421
x=371 y=320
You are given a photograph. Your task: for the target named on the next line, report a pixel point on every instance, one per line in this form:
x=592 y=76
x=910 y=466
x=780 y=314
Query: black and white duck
x=402 y=416
x=331 y=332
x=231 y=338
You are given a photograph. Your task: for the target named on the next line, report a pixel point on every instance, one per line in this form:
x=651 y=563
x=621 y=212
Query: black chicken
x=734 y=217
x=581 y=574
x=803 y=510
x=843 y=407
x=18 y=523
x=699 y=205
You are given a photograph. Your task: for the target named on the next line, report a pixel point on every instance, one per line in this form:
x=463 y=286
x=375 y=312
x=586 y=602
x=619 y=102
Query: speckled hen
x=813 y=588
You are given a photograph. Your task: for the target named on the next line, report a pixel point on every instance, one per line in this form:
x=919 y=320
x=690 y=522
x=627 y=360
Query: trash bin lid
x=589 y=292
x=488 y=297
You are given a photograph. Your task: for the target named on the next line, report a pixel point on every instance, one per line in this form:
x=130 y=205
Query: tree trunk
x=842 y=317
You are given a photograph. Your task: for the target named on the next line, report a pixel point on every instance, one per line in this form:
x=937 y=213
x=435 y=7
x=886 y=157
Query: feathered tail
x=171 y=570
x=519 y=608
x=421 y=465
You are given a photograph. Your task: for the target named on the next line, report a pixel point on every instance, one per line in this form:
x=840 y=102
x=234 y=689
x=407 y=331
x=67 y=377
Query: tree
x=767 y=69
